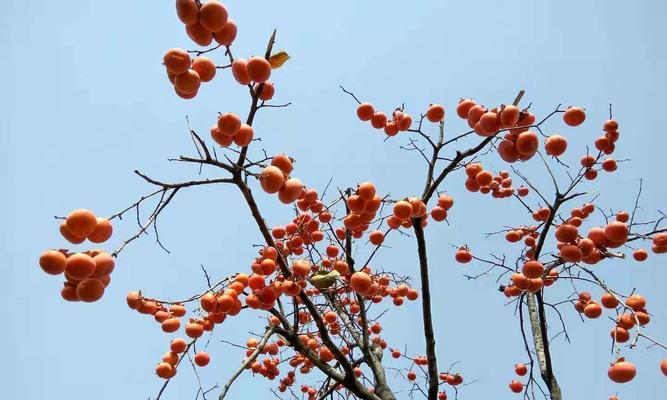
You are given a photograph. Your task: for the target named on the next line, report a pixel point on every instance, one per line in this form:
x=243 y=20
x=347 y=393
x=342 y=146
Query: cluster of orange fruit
x=303 y=230
x=529 y=234
x=206 y=23
x=276 y=179
x=376 y=287
x=413 y=207
x=363 y=206
x=229 y=129
x=202 y=24
x=87 y=273
x=572 y=248
x=219 y=305
x=483 y=181
x=166 y=369
x=516 y=386
x=605 y=144
x=401 y=121
x=255 y=69
x=519 y=143
x=186 y=74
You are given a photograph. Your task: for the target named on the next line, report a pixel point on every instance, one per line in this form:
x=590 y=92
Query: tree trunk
x=541 y=341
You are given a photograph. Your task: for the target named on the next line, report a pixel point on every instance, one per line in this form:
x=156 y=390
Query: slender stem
x=426 y=311
x=247 y=362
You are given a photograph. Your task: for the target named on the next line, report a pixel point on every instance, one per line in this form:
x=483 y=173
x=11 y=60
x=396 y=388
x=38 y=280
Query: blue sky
x=86 y=101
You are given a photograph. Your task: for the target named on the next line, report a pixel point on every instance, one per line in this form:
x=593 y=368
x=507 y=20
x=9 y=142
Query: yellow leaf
x=277 y=60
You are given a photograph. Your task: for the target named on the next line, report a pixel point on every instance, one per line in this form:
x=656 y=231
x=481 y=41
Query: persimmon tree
x=314 y=277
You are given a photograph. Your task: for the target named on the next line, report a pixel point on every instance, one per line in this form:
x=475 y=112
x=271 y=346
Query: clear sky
x=85 y=101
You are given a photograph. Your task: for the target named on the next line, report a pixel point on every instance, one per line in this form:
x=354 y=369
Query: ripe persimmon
x=608 y=300
x=80 y=266
x=259 y=69
x=376 y=237
x=187 y=82
x=325 y=354
x=68 y=292
x=567 y=233
x=532 y=269
x=405 y=123
x=574 y=116
x=520 y=369
x=178 y=345
x=464 y=106
x=390 y=129
x=516 y=386
x=301 y=267
x=227 y=34
x=177 y=61
x=621 y=371
x=361 y=282
x=341 y=266
x=267 y=91
x=636 y=302
x=102 y=232
x=283 y=162
x=463 y=256
x=527 y=143
x=509 y=116
x=229 y=124
x=134 y=300
x=418 y=207
x=365 y=111
x=81 y=222
x=104 y=264
x=202 y=358
x=194 y=330
x=240 y=71
x=186 y=96
x=445 y=201
x=187 y=11
x=53 y=262
x=438 y=213
x=616 y=232
x=379 y=120
x=435 y=113
x=366 y=191
x=620 y=335
x=164 y=370
x=69 y=236
x=290 y=191
x=609 y=165
x=171 y=324
x=640 y=255
x=205 y=67
x=571 y=253
x=489 y=122
x=219 y=138
x=213 y=16
x=555 y=145
x=171 y=358
x=507 y=151
x=244 y=136
x=402 y=209
x=592 y=310
x=484 y=178
x=90 y=290
x=199 y=34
